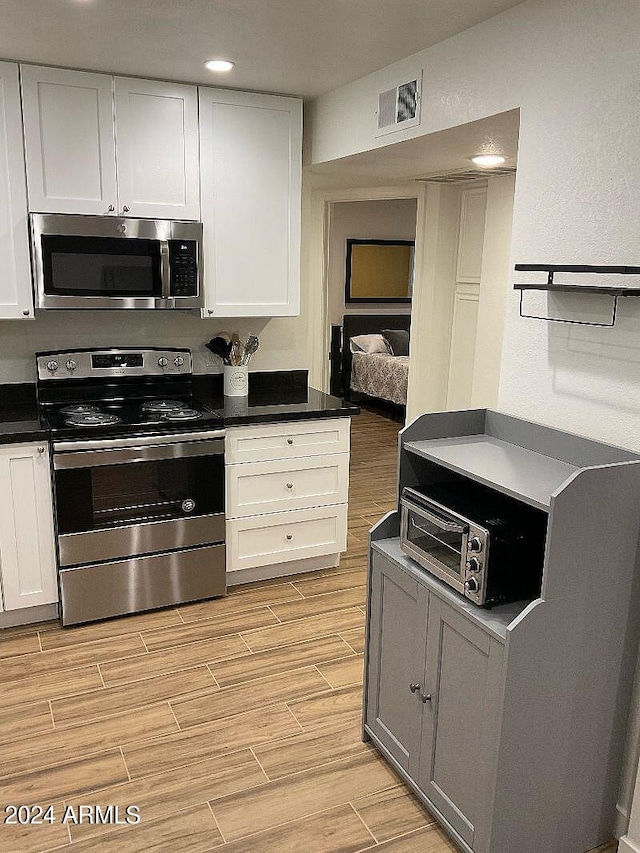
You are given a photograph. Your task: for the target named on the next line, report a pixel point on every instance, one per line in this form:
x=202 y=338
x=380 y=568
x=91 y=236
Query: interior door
x=397 y=630
x=69 y=140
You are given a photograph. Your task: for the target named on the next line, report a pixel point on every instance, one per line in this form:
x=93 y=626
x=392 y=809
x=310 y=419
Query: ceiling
x=423 y=156
x=298 y=47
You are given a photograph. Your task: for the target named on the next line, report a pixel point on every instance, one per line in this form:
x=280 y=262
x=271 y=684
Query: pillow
x=368 y=344
x=397 y=341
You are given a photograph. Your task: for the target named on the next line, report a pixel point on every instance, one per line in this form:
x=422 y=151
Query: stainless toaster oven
x=487 y=546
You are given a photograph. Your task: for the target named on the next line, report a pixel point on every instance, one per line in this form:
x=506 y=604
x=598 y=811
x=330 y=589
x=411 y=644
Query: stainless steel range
x=138 y=475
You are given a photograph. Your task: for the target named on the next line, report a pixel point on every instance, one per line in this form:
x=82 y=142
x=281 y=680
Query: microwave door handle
x=449 y=526
x=165 y=273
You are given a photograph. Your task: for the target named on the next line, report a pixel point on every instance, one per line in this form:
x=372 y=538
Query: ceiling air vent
x=459 y=176
x=399 y=107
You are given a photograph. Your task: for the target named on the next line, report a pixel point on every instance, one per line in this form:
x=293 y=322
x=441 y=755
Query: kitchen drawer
x=287 y=440
x=284 y=536
x=261 y=487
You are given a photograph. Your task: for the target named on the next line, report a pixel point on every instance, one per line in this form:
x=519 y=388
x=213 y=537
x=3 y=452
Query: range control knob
x=162 y=361
x=472 y=585
x=473 y=565
x=474 y=544
x=52 y=366
x=71 y=364
x=178 y=361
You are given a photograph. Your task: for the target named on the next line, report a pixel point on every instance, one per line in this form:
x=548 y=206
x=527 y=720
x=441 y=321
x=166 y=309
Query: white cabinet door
x=250 y=163
x=157 y=149
x=69 y=138
x=16 y=299
x=27 y=555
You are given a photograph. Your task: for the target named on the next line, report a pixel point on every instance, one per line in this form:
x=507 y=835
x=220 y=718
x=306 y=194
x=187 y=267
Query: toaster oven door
x=437 y=540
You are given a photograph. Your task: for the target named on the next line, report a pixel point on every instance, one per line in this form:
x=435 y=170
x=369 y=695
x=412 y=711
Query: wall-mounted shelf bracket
x=615 y=292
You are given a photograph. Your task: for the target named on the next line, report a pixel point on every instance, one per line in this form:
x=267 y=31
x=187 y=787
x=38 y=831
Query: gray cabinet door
x=463 y=676
x=398 y=611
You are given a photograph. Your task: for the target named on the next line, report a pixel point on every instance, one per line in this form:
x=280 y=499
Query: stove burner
x=79 y=409
x=181 y=415
x=162 y=406
x=92 y=419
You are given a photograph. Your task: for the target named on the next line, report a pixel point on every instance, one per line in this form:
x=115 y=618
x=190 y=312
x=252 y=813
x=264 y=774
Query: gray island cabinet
x=509 y=723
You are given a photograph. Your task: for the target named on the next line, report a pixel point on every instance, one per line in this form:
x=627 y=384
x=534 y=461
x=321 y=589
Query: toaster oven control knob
x=178 y=361
x=475 y=544
x=474 y=565
x=163 y=361
x=71 y=365
x=52 y=366
x=472 y=585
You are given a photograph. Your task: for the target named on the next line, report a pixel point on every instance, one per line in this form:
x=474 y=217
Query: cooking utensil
x=220 y=346
x=250 y=347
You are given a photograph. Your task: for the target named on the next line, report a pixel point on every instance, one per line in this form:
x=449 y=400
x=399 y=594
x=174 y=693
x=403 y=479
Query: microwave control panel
x=183 y=263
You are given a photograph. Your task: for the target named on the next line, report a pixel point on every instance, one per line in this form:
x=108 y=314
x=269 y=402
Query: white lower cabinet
x=27 y=553
x=286 y=496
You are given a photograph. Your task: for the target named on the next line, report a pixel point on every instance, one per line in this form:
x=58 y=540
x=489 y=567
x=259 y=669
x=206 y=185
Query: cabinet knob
x=111 y=208
x=289 y=441
x=125 y=209
x=414 y=687
x=26 y=312
x=289 y=537
x=41 y=450
x=426 y=697
x=289 y=485
x=210 y=311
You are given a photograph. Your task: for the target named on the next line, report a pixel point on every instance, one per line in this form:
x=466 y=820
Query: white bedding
x=381 y=375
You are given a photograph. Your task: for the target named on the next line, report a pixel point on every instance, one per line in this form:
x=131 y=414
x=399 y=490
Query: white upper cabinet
x=69 y=137
x=251 y=166
x=96 y=145
x=16 y=299
x=157 y=149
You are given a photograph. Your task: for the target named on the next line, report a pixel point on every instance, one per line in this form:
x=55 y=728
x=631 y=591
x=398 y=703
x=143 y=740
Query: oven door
x=435 y=538
x=115 y=502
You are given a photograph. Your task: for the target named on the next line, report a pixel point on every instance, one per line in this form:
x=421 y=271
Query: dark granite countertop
x=19 y=417
x=273 y=396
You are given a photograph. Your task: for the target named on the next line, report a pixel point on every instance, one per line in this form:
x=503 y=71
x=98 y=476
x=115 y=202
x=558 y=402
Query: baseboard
x=626 y=845
x=279 y=570
x=28 y=615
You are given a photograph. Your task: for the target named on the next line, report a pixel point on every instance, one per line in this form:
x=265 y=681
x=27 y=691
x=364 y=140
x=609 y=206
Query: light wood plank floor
x=232 y=724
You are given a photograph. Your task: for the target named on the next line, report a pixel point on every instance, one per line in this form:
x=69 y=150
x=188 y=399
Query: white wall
x=386 y=219
x=283 y=341
x=573 y=69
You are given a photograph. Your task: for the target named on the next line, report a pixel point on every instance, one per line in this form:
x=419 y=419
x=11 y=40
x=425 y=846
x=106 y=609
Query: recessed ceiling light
x=219 y=65
x=488 y=160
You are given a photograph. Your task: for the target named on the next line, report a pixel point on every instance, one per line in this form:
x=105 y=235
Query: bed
x=360 y=376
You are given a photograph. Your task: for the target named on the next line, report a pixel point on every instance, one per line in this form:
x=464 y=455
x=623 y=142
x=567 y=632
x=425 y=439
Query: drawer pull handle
x=289 y=485
x=289 y=441
x=289 y=537
x=426 y=697
x=414 y=687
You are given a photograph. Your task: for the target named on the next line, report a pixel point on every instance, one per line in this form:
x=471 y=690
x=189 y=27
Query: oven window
x=101 y=266
x=114 y=495
x=441 y=546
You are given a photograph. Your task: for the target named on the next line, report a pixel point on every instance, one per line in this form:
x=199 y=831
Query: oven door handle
x=440 y=523
x=152 y=453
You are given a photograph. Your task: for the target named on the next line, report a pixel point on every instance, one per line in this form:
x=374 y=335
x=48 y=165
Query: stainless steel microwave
x=114 y=262
x=487 y=546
